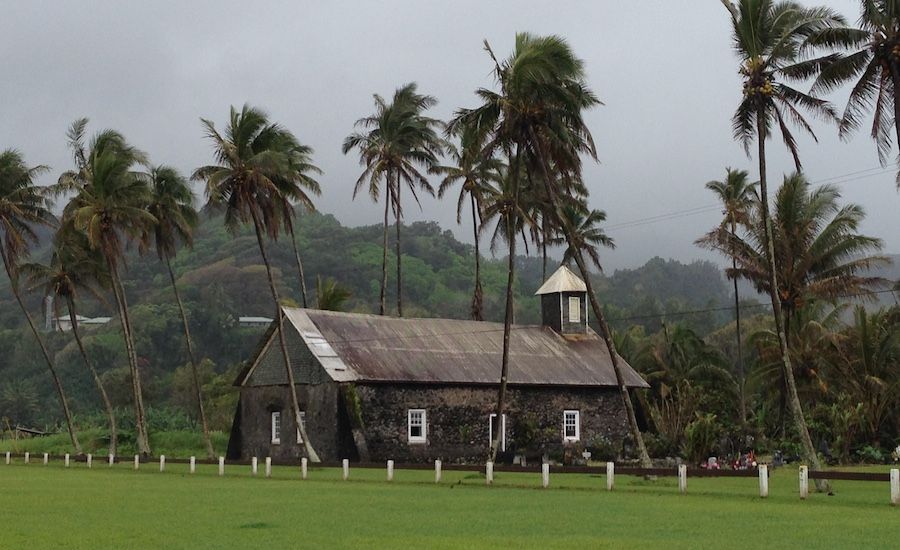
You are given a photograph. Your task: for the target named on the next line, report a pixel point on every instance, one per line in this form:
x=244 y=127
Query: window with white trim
x=276 y=427
x=299 y=434
x=571 y=425
x=574 y=309
x=492 y=425
x=416 y=425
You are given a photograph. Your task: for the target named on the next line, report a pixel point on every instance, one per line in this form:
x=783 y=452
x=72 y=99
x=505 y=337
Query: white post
x=193 y=464
x=437 y=471
x=682 y=478
x=112 y=460
x=545 y=475
x=253 y=465
x=268 y=466
x=763 y=480
x=489 y=473
x=162 y=463
x=26 y=456
x=67 y=460
x=346 y=466
x=221 y=465
x=90 y=460
x=610 y=475
x=7 y=457
x=390 y=470
x=895 y=487
x=137 y=461
x=46 y=459
x=304 y=467
x=804 y=482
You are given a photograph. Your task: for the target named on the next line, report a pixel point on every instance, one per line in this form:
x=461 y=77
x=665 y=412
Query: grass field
x=106 y=507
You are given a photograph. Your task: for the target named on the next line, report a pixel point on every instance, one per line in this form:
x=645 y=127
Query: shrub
x=701 y=437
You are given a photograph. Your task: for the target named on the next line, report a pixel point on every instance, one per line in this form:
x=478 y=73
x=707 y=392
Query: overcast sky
x=664 y=70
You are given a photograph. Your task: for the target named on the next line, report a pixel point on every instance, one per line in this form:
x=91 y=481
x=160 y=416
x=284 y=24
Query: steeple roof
x=562 y=281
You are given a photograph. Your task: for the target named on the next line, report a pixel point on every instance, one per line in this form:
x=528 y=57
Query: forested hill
x=222 y=278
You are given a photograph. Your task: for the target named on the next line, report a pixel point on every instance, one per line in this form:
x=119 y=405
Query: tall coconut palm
x=253 y=179
x=74 y=267
x=110 y=207
x=770 y=40
x=587 y=234
x=875 y=67
x=23 y=205
x=474 y=172
x=298 y=189
x=172 y=205
x=538 y=114
x=400 y=141
x=736 y=193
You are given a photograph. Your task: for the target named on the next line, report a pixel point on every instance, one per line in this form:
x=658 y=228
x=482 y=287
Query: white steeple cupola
x=564 y=302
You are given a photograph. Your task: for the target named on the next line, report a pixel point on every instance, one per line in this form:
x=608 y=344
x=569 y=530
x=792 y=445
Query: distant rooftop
x=562 y=281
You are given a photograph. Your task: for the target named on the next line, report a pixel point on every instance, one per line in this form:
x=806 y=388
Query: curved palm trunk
x=295 y=403
x=13 y=285
x=808 y=450
x=895 y=78
x=387 y=207
x=110 y=412
x=598 y=314
x=397 y=216
x=195 y=375
x=299 y=264
x=742 y=399
x=140 y=414
x=478 y=294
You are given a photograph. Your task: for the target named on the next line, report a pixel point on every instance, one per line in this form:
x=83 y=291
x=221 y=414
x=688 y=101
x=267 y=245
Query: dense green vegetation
x=205 y=510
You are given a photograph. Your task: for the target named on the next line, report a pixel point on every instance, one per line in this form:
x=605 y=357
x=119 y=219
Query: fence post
x=137 y=462
x=895 y=487
x=804 y=482
x=193 y=464
x=437 y=471
x=46 y=459
x=112 y=460
x=221 y=465
x=763 y=480
x=489 y=473
x=7 y=457
x=67 y=460
x=610 y=475
x=27 y=456
x=545 y=475
x=682 y=478
x=268 y=466
x=346 y=467
x=390 y=470
x=162 y=463
x=304 y=467
x=90 y=460
x=254 y=464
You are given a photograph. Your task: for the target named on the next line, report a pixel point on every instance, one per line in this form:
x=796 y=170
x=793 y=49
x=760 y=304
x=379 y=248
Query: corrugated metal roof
x=373 y=348
x=562 y=281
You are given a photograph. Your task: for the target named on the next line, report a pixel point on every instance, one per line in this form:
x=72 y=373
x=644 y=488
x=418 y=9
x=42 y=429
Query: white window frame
x=409 y=425
x=502 y=431
x=276 y=427
x=575 y=312
x=302 y=421
x=577 y=416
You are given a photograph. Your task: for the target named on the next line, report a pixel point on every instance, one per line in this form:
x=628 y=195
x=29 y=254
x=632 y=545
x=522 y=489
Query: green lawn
x=49 y=506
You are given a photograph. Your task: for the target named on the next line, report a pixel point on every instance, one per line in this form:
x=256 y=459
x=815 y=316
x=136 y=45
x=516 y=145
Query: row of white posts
x=488 y=471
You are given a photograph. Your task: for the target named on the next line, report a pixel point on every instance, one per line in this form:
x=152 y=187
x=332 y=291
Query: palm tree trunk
x=478 y=295
x=742 y=400
x=387 y=207
x=295 y=403
x=299 y=264
x=895 y=78
x=140 y=414
x=598 y=314
x=397 y=216
x=110 y=412
x=14 y=287
x=808 y=450
x=195 y=375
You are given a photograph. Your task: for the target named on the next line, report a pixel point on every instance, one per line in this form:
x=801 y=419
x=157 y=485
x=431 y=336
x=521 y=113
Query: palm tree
x=110 y=207
x=475 y=172
x=253 y=180
x=297 y=190
x=172 y=205
x=587 y=234
x=536 y=118
x=736 y=194
x=23 y=205
x=769 y=40
x=73 y=266
x=876 y=69
x=330 y=296
x=399 y=142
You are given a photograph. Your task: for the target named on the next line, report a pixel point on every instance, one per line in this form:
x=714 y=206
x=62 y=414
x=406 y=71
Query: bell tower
x=564 y=303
